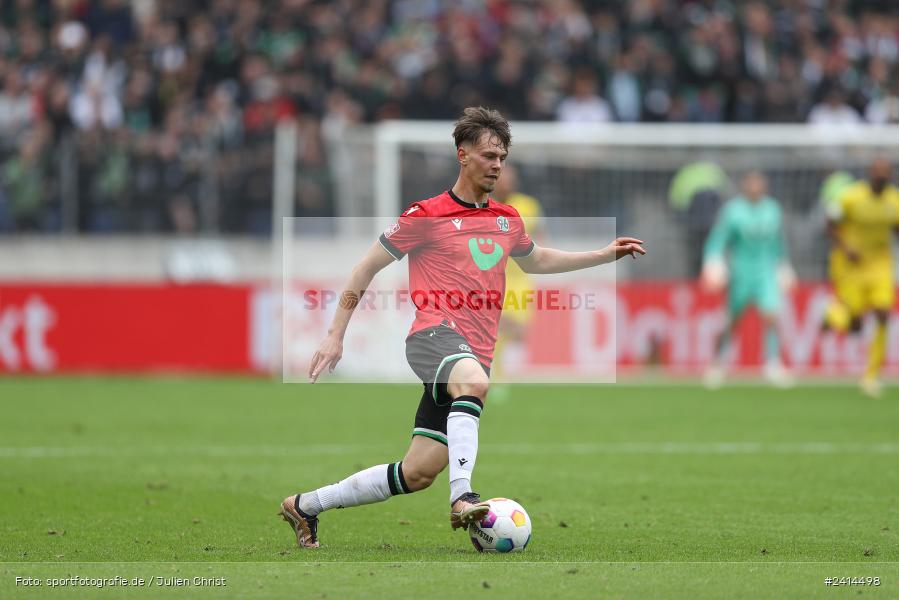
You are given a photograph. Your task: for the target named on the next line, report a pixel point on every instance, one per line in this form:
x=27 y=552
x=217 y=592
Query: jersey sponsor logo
x=458 y=224
x=392 y=229
x=485 y=260
x=411 y=210
x=502 y=223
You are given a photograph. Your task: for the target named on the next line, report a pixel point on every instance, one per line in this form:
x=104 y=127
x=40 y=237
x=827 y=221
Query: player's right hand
x=328 y=355
x=624 y=246
x=852 y=254
x=713 y=278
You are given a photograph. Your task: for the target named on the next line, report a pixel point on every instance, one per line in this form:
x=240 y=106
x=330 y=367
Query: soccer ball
x=506 y=528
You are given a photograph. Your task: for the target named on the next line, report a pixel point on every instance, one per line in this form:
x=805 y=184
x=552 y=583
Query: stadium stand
x=158 y=115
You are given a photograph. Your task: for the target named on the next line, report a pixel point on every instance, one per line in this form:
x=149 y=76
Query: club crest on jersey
x=502 y=223
x=392 y=229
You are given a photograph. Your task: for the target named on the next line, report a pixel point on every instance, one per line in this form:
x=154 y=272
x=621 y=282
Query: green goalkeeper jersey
x=752 y=234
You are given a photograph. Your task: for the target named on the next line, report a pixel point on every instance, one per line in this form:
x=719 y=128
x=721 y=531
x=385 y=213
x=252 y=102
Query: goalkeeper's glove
x=786 y=277
x=714 y=275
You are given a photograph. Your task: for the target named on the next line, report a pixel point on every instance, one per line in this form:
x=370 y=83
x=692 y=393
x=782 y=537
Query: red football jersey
x=457 y=264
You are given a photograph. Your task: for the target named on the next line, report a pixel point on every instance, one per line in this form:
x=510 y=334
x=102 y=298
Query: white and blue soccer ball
x=506 y=528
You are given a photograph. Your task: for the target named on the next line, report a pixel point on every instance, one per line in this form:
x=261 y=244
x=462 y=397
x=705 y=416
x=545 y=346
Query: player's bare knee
x=479 y=389
x=476 y=386
x=468 y=378
x=855 y=325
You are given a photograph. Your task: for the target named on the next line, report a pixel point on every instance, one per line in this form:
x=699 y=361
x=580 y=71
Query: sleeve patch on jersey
x=392 y=229
x=526 y=252
x=393 y=250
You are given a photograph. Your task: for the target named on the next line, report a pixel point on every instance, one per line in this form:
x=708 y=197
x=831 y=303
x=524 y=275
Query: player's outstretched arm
x=331 y=349
x=552 y=260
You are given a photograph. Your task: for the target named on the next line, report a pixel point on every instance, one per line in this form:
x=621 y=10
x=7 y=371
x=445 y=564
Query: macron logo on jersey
x=458 y=224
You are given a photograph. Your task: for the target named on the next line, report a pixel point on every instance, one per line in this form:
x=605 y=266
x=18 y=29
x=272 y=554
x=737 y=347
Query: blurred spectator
x=706 y=105
x=94 y=107
x=758 y=45
x=584 y=105
x=16 y=108
x=874 y=91
x=624 y=90
x=833 y=110
x=785 y=96
x=884 y=108
x=23 y=187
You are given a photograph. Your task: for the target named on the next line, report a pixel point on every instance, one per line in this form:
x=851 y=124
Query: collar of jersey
x=467 y=204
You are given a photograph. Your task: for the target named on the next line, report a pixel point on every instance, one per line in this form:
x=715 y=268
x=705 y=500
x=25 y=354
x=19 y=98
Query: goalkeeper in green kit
x=745 y=252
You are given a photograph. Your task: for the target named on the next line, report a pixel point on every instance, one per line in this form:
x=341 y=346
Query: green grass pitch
x=635 y=492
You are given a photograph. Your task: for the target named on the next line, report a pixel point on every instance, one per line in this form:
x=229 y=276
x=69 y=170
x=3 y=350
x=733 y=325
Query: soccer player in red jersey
x=458 y=244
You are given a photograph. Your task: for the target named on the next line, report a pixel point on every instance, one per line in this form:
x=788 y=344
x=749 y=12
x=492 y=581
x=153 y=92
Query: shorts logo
x=484 y=261
x=502 y=223
x=392 y=229
x=464 y=348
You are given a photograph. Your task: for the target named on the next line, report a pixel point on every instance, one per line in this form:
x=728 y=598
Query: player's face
x=880 y=173
x=755 y=185
x=483 y=162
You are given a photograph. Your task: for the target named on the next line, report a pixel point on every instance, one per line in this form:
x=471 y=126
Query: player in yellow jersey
x=836 y=317
x=861 y=226
x=517 y=314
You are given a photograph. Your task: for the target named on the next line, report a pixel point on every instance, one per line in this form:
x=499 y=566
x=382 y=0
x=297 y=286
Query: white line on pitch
x=574 y=448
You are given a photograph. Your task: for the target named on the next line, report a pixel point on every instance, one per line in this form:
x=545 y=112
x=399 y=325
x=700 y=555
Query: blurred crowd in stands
x=158 y=115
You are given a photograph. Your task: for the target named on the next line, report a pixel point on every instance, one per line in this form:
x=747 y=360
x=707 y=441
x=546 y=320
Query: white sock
x=462 y=442
x=458 y=487
x=374 y=484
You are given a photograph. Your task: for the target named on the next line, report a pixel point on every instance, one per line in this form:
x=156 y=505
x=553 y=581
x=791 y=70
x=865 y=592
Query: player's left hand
x=786 y=277
x=624 y=246
x=713 y=278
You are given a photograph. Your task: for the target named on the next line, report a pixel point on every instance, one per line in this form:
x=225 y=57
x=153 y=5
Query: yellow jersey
x=532 y=216
x=518 y=283
x=865 y=223
x=529 y=208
